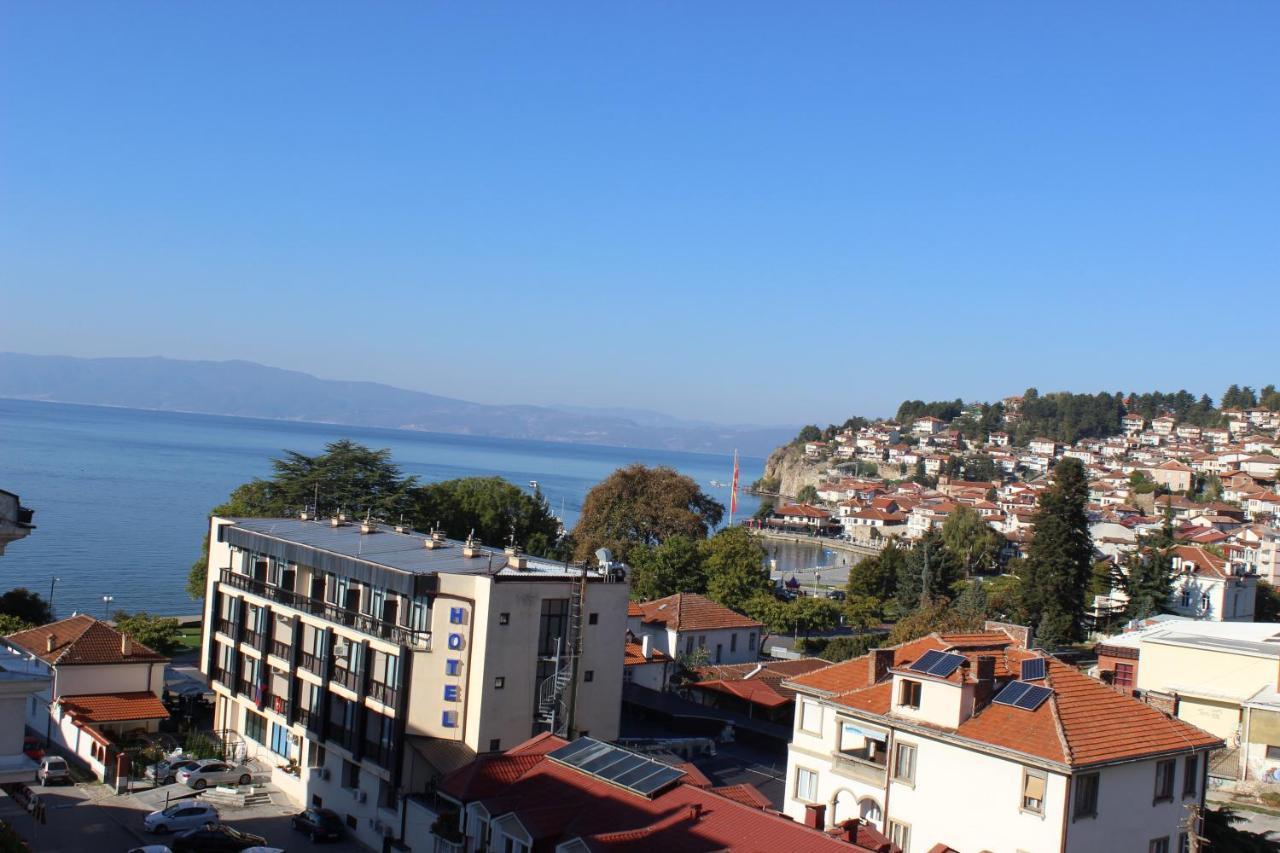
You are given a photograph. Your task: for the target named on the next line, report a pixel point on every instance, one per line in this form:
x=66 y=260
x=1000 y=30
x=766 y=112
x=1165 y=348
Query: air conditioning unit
x=341 y=650
x=322 y=773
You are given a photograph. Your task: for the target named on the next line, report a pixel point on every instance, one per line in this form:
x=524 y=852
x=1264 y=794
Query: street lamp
x=52 y=581
x=106 y=605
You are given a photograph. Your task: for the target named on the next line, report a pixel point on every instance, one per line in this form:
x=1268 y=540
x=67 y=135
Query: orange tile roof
x=115 y=707
x=1084 y=722
x=633 y=655
x=756 y=692
x=81 y=640
x=746 y=793
x=687 y=611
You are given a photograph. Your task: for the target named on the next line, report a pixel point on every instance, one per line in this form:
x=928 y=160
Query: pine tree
x=1059 y=564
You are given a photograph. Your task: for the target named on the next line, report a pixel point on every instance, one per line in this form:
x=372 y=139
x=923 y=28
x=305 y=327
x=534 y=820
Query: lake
x=121 y=496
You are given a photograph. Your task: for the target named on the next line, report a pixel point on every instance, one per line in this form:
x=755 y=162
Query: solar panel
x=1033 y=669
x=618 y=766
x=925 y=661
x=1033 y=697
x=1012 y=692
x=946 y=664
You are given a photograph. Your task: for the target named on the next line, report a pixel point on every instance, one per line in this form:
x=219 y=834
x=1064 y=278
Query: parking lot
x=91 y=817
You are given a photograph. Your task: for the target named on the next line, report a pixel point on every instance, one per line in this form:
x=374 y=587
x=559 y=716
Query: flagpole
x=733 y=488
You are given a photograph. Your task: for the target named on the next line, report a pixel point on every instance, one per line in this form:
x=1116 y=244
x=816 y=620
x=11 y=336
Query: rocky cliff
x=792 y=471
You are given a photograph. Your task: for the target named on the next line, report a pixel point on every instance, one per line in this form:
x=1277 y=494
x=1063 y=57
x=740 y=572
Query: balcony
x=347 y=678
x=253 y=638
x=861 y=769
x=226 y=626
x=328 y=612
x=345 y=738
x=312 y=663
x=281 y=650
x=307 y=718
x=222 y=676
x=385 y=694
x=277 y=703
x=380 y=754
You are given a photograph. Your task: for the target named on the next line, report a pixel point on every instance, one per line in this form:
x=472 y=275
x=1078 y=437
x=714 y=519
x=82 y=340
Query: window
x=688 y=646
x=1186 y=596
x=317 y=755
x=702 y=641
x=900 y=834
x=733 y=642
x=589 y=675
x=255 y=726
x=811 y=717
x=495 y=744
x=904 y=763
x=1033 y=785
x=1124 y=675
x=350 y=774
x=751 y=641
x=1164 y=783
x=499 y=682
x=1273 y=753
x=280 y=740
x=593 y=618
x=1191 y=775
x=1086 y=795
x=909 y=694
x=1184 y=845
x=504 y=618
x=806 y=785
x=1159 y=845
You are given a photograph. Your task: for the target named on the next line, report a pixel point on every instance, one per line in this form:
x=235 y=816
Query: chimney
x=878 y=666
x=126 y=645
x=815 y=816
x=48 y=642
x=646 y=647
x=695 y=811
x=984 y=682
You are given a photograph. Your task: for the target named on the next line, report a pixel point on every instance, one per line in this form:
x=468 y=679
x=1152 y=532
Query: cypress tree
x=1059 y=564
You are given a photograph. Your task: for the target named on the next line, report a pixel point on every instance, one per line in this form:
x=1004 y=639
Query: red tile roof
x=81 y=640
x=1084 y=722
x=756 y=692
x=633 y=655
x=556 y=803
x=115 y=707
x=746 y=794
x=687 y=611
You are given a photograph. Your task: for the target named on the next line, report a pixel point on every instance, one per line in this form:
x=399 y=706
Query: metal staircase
x=556 y=692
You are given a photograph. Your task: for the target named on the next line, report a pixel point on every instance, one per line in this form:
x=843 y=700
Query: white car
x=214 y=772
x=150 y=848
x=187 y=814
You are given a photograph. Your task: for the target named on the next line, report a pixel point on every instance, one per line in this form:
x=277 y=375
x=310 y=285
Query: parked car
x=166 y=772
x=187 y=814
x=150 y=848
x=53 y=769
x=31 y=748
x=211 y=771
x=215 y=838
x=318 y=824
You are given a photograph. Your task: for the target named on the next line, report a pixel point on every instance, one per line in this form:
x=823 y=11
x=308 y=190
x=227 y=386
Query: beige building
x=360 y=661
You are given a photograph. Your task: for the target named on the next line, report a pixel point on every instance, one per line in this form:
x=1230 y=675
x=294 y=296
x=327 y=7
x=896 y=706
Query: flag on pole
x=733 y=489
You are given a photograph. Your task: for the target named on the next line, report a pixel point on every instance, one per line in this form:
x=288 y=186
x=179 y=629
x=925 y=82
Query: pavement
x=91 y=816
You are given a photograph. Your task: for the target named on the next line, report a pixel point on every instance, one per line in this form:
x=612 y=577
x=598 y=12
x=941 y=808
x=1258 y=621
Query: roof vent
x=304 y=515
x=368 y=527
x=126 y=645
x=336 y=521
x=48 y=643
x=471 y=548
x=516 y=560
x=437 y=539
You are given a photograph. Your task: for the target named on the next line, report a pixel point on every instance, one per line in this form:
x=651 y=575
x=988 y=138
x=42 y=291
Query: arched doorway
x=869 y=810
x=844 y=805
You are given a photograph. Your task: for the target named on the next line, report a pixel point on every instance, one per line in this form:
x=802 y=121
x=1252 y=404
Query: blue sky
x=755 y=212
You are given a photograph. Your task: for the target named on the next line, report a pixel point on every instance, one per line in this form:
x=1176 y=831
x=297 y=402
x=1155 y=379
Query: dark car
x=215 y=838
x=318 y=824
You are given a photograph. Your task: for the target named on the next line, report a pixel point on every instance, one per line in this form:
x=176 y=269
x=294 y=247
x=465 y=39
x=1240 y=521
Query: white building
x=949 y=755
x=361 y=661
x=15 y=519
x=18 y=686
x=685 y=623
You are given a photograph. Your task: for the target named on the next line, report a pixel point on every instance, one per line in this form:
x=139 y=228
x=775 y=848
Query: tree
x=844 y=648
x=198 y=574
x=877 y=576
x=970 y=540
x=972 y=602
x=661 y=570
x=492 y=508
x=1004 y=598
x=638 y=505
x=25 y=605
x=863 y=612
x=158 y=633
x=928 y=558
x=1059 y=562
x=809 y=433
x=768 y=609
x=810 y=613
x=734 y=564
x=807 y=494
x=1267 y=604
x=934 y=614
x=12 y=624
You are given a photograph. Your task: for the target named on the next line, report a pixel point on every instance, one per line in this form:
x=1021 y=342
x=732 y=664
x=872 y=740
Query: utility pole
x=924 y=579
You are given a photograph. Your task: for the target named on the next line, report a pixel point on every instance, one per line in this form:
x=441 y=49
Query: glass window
x=900 y=834
x=280 y=740
x=1191 y=775
x=1164 y=782
x=904 y=763
x=909 y=694
x=1273 y=753
x=1159 y=845
x=733 y=642
x=1033 y=785
x=811 y=716
x=1086 y=804
x=255 y=727
x=751 y=641
x=806 y=785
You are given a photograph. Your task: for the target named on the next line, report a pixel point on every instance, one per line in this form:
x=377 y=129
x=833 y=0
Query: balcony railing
x=253 y=638
x=306 y=717
x=312 y=663
x=281 y=650
x=379 y=753
x=345 y=738
x=222 y=676
x=247 y=688
x=385 y=694
x=861 y=769
x=277 y=703
x=329 y=612
x=226 y=626
x=347 y=678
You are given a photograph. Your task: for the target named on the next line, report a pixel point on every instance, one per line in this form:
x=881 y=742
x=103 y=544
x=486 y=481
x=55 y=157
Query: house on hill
x=977 y=742
x=683 y=623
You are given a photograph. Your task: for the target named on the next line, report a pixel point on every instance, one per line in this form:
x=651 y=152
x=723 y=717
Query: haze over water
x=121 y=496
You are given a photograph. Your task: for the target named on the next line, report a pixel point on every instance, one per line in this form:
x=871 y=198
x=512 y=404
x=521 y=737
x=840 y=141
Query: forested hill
x=1067 y=417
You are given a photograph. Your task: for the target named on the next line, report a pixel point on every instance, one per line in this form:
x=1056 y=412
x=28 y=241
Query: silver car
x=211 y=771
x=187 y=814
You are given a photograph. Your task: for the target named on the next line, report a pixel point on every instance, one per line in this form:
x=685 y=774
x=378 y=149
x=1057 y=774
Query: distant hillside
x=247 y=389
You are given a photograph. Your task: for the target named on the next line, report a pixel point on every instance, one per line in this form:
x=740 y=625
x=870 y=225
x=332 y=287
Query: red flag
x=733 y=493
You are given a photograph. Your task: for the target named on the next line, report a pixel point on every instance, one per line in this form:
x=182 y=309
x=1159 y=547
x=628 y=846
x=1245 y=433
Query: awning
x=870 y=734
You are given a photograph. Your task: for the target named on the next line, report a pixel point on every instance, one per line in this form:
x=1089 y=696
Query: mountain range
x=248 y=389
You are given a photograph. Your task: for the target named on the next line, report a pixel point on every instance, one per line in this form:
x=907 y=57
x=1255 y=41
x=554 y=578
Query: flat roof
x=1183 y=630
x=404 y=552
